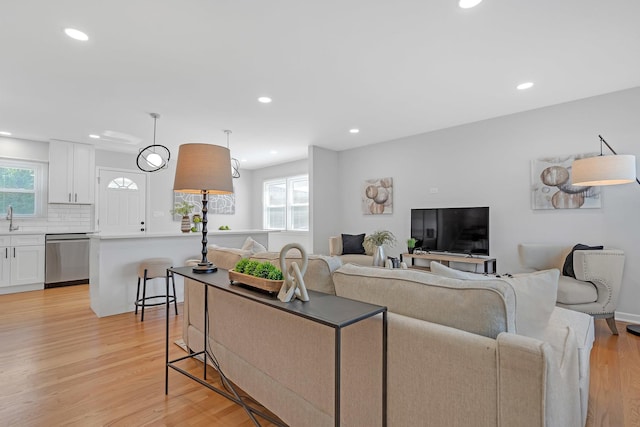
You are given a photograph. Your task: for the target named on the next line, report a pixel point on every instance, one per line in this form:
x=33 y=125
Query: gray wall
x=488 y=163
x=324 y=185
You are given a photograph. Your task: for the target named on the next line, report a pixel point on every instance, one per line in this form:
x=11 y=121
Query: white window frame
x=40 y=190
x=288 y=182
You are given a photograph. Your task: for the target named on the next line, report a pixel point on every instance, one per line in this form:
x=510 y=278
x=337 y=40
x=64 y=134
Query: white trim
x=628 y=317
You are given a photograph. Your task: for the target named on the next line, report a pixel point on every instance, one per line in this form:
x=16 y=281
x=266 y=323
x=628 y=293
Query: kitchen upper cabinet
x=71 y=172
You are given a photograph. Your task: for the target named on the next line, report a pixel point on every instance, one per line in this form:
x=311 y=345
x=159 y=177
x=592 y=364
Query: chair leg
x=175 y=296
x=611 y=321
x=137 y=295
x=144 y=295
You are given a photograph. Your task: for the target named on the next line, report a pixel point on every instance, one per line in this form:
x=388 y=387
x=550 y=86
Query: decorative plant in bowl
x=183 y=208
x=261 y=275
x=411 y=244
x=378 y=239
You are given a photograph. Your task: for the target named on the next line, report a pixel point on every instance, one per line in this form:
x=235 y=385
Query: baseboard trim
x=628 y=317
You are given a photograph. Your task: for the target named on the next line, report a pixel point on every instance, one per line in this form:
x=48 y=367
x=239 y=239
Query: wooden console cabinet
x=490 y=265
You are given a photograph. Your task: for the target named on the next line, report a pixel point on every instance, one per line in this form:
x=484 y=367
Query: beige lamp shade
x=203 y=167
x=604 y=170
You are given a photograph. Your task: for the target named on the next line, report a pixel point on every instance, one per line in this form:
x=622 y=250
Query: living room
x=483 y=161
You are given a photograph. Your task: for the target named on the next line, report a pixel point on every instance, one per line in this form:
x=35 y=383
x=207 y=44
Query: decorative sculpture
x=293 y=286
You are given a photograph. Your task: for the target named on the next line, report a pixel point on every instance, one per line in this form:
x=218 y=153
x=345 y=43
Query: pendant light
x=235 y=164
x=155 y=156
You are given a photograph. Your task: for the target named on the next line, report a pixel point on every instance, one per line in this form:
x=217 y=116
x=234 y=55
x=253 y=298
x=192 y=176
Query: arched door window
x=122 y=183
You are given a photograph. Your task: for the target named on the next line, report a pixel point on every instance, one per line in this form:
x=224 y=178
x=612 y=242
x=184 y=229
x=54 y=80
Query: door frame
x=147 y=199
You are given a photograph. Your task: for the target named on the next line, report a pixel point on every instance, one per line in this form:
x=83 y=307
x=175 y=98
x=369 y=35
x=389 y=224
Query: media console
x=490 y=265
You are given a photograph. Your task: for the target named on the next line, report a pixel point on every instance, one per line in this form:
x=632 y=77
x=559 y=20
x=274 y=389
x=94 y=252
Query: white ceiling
x=390 y=68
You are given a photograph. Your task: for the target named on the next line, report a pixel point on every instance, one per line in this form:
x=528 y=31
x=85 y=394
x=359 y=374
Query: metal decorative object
x=235 y=164
x=155 y=156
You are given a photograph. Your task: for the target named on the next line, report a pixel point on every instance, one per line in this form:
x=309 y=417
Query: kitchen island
x=114 y=259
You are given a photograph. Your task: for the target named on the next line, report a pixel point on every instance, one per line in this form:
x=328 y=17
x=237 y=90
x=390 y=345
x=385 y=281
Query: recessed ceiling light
x=94 y=136
x=468 y=4
x=5 y=133
x=523 y=86
x=354 y=130
x=76 y=34
x=273 y=152
x=243 y=160
x=264 y=99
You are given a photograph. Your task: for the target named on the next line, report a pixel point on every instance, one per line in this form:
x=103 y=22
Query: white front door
x=121 y=201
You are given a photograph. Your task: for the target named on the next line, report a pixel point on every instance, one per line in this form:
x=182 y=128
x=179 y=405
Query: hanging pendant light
x=235 y=164
x=155 y=156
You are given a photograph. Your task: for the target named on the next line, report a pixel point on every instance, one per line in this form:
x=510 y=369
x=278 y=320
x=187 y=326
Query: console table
x=328 y=310
x=447 y=258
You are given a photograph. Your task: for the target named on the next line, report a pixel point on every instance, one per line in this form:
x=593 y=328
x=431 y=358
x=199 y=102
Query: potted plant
x=183 y=208
x=411 y=244
x=378 y=239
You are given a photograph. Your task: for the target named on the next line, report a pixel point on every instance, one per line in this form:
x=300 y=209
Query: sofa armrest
x=539 y=381
x=335 y=245
x=604 y=269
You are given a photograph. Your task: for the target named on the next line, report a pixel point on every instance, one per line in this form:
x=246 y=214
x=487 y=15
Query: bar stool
x=153 y=268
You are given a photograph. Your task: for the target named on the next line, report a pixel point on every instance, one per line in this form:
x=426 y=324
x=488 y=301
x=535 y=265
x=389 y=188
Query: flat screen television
x=455 y=230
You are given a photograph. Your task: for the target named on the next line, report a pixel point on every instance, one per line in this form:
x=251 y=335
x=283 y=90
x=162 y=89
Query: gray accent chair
x=595 y=289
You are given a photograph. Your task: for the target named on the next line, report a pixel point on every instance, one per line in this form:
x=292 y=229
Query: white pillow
x=443 y=270
x=253 y=246
x=536 y=295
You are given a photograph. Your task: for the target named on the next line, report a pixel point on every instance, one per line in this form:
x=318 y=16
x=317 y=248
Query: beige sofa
x=335 y=249
x=454 y=357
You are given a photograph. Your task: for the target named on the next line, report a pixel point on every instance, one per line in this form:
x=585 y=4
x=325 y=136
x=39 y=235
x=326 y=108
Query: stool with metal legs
x=153 y=268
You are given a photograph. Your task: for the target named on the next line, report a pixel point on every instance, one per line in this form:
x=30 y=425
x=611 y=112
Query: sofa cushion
x=483 y=307
x=352 y=244
x=319 y=268
x=573 y=291
x=536 y=295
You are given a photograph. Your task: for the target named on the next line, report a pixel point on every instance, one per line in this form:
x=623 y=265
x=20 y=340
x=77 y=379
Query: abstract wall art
x=551 y=185
x=377 y=196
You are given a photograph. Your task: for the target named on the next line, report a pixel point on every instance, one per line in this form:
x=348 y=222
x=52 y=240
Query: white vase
x=378 y=257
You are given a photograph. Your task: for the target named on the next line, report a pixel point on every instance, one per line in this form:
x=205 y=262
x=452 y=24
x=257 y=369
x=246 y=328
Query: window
x=22 y=186
x=286 y=204
x=122 y=183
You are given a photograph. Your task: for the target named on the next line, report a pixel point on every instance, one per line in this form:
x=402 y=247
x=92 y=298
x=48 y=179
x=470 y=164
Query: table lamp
x=203 y=169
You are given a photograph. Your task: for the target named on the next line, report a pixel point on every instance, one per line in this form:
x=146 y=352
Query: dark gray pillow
x=567 y=268
x=352 y=244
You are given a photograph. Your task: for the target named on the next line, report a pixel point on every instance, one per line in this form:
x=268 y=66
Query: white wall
x=488 y=164
x=324 y=185
x=24 y=149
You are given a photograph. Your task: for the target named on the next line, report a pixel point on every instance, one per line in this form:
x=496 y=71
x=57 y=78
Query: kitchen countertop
x=108 y=236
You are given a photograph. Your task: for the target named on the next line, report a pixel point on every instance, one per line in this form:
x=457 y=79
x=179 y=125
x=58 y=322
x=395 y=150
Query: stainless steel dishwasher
x=66 y=259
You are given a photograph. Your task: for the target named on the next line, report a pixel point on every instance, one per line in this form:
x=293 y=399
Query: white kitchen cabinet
x=22 y=260
x=71 y=172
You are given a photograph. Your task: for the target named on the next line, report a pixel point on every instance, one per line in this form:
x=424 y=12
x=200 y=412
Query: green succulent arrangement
x=411 y=243
x=183 y=208
x=381 y=237
x=264 y=269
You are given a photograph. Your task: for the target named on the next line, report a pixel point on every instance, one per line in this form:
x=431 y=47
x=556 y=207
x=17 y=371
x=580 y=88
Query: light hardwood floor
x=62 y=365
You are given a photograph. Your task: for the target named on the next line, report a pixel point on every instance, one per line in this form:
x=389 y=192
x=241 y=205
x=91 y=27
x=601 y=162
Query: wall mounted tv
x=455 y=230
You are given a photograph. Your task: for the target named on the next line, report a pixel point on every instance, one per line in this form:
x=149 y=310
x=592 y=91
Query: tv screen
x=455 y=230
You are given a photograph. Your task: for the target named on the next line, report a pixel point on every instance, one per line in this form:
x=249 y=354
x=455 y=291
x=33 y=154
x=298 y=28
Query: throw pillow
x=452 y=273
x=536 y=295
x=567 y=268
x=253 y=246
x=352 y=244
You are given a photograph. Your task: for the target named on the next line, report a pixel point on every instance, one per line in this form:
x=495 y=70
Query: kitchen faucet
x=10 y=218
